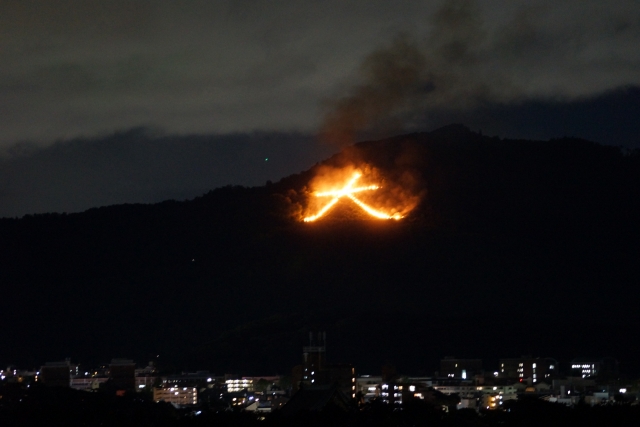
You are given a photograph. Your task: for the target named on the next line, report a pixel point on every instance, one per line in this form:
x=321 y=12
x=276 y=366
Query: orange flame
x=348 y=191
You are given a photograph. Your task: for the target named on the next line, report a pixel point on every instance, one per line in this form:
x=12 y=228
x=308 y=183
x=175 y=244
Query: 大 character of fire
x=348 y=190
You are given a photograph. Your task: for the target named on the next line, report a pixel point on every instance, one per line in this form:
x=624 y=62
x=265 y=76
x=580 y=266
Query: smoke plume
x=408 y=76
x=462 y=64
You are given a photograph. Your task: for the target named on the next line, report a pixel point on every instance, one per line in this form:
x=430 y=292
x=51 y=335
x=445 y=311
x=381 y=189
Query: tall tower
x=314 y=357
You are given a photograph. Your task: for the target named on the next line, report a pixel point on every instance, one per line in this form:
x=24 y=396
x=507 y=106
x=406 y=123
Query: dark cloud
x=74 y=68
x=78 y=68
x=139 y=166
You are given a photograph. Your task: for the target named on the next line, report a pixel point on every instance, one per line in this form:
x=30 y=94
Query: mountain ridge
x=503 y=226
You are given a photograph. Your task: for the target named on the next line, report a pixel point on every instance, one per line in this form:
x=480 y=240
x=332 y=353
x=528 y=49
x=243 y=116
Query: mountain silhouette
x=513 y=247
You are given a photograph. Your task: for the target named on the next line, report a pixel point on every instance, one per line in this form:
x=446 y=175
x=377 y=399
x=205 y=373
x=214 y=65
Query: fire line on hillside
x=349 y=190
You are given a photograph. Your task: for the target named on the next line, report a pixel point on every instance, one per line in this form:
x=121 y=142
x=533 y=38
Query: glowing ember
x=348 y=191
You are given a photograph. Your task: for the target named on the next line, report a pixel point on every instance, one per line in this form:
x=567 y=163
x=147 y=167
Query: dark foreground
x=65 y=407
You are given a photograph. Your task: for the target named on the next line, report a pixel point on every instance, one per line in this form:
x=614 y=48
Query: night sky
x=118 y=101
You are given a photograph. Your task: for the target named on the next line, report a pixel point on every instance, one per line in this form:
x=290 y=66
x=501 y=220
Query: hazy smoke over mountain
x=392 y=77
x=410 y=75
x=463 y=64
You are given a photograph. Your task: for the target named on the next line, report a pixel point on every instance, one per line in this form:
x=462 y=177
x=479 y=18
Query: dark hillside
x=516 y=247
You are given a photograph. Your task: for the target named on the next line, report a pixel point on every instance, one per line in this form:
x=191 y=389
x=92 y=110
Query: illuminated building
x=594 y=367
x=313 y=360
x=491 y=401
x=484 y=396
x=451 y=367
x=528 y=368
x=14 y=375
x=191 y=379
x=392 y=393
x=87 y=383
x=314 y=357
x=266 y=383
x=314 y=370
x=146 y=377
x=368 y=386
x=403 y=393
x=177 y=396
x=463 y=389
x=144 y=381
x=238 y=385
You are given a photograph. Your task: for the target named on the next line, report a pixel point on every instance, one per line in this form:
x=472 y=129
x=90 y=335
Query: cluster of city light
x=348 y=191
